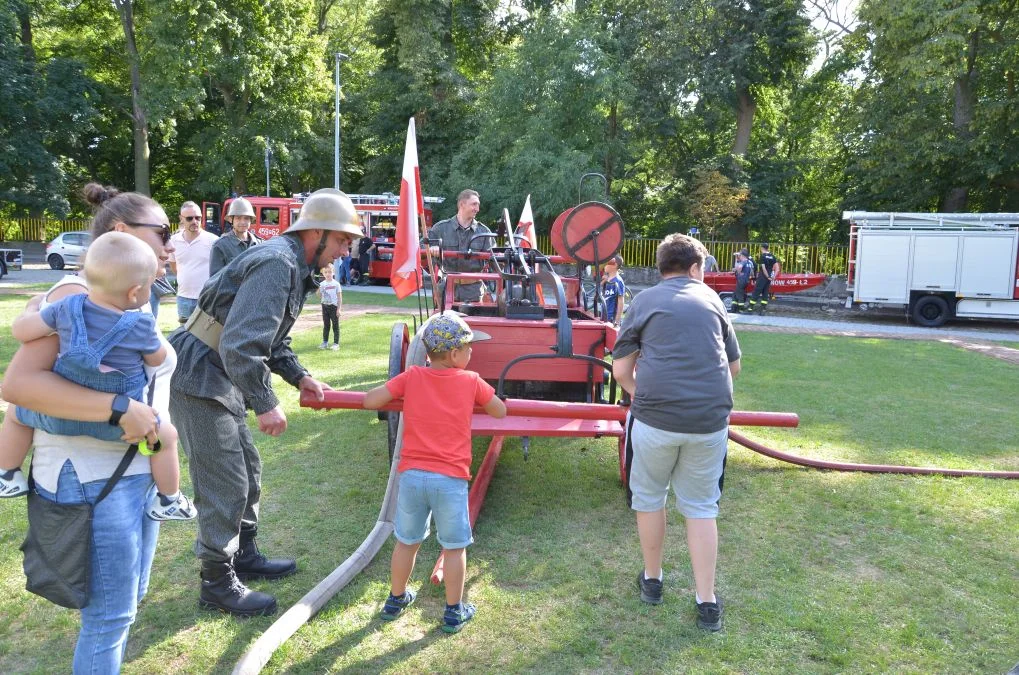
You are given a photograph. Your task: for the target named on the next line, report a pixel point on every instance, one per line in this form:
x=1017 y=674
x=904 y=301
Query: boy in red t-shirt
x=435 y=460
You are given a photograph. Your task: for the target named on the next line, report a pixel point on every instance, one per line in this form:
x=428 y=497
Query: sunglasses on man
x=165 y=234
x=191 y=218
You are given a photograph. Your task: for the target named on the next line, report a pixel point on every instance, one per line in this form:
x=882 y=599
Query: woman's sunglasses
x=165 y=234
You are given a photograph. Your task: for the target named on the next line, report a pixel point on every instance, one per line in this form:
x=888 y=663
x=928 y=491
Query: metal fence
x=818 y=258
x=815 y=258
x=38 y=229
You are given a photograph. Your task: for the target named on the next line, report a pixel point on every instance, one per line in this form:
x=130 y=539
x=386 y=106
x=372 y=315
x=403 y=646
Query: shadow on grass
x=324 y=659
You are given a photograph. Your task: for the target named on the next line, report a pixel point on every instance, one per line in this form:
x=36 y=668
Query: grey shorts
x=693 y=464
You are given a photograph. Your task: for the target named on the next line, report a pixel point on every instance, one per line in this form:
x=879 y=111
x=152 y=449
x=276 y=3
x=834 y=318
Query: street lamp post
x=268 y=162
x=340 y=56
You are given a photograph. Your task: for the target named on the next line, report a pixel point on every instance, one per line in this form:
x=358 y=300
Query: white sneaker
x=180 y=508
x=13 y=483
x=324 y=345
x=335 y=347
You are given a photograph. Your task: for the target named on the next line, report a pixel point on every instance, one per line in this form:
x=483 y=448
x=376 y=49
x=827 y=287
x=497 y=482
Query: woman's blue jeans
x=123 y=544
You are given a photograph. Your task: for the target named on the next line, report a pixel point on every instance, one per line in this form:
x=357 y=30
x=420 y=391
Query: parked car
x=10 y=259
x=68 y=249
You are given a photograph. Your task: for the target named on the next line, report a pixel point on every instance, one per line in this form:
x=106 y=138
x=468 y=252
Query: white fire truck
x=937 y=266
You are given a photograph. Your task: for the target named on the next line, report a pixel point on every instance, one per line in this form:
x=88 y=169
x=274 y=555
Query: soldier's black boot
x=222 y=590
x=249 y=563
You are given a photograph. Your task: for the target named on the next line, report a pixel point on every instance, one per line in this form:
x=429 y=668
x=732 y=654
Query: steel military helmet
x=239 y=207
x=329 y=209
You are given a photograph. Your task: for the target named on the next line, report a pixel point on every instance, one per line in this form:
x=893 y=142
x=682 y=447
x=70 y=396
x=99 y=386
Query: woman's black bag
x=58 y=545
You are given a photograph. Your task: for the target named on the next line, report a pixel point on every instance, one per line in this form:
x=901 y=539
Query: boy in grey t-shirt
x=676 y=355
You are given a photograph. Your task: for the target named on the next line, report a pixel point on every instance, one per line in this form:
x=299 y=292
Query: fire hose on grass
x=262 y=650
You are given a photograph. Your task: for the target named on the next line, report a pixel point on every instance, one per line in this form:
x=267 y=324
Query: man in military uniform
x=744 y=270
x=226 y=354
x=457 y=234
x=768 y=268
x=238 y=240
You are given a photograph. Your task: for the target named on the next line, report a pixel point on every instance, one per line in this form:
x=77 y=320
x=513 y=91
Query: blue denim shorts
x=423 y=493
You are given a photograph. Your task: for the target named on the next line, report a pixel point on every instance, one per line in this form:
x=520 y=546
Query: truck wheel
x=726 y=301
x=930 y=310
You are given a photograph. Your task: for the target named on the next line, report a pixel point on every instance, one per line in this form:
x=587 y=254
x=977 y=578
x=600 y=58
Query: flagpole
x=428 y=257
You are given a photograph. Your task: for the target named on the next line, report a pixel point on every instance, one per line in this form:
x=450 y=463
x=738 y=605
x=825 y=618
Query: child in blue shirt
x=612 y=291
x=103 y=346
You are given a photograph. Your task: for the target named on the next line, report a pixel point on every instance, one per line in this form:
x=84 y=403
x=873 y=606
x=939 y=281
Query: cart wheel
x=399 y=340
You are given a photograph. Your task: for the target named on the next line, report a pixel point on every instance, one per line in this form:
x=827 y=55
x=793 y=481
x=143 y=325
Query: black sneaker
x=650 y=589
x=709 y=615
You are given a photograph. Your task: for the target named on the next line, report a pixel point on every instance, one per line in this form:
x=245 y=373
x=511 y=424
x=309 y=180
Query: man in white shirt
x=190 y=258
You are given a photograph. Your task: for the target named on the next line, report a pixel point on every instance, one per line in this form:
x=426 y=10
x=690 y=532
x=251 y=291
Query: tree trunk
x=138 y=117
x=746 y=106
x=240 y=180
x=962 y=120
x=25 y=19
x=610 y=153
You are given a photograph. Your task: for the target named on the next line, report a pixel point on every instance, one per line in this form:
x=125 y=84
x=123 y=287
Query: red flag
x=405 y=276
x=526 y=224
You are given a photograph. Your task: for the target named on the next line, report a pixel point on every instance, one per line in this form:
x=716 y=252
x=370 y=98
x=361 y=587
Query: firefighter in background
x=768 y=268
x=744 y=270
x=458 y=234
x=238 y=240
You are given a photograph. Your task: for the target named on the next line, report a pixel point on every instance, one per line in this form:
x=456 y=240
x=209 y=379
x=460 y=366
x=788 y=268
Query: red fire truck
x=273 y=215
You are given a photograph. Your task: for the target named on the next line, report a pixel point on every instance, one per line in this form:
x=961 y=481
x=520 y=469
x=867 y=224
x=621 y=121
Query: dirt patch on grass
x=311 y=317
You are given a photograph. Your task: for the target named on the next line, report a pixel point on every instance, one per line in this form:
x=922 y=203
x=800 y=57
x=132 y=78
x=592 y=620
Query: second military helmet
x=239 y=207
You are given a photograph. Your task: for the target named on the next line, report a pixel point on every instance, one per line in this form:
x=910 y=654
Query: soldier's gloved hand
x=273 y=422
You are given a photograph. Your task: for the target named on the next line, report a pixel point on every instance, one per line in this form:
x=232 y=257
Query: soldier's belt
x=205 y=327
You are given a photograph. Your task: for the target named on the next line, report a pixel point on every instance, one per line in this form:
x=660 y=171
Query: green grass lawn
x=821 y=572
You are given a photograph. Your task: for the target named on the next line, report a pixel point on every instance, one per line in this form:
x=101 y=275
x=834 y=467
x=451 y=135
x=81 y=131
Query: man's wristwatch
x=119 y=407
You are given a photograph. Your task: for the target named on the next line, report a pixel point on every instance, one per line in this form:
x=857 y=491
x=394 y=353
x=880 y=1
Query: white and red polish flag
x=526 y=227
x=405 y=276
x=526 y=224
